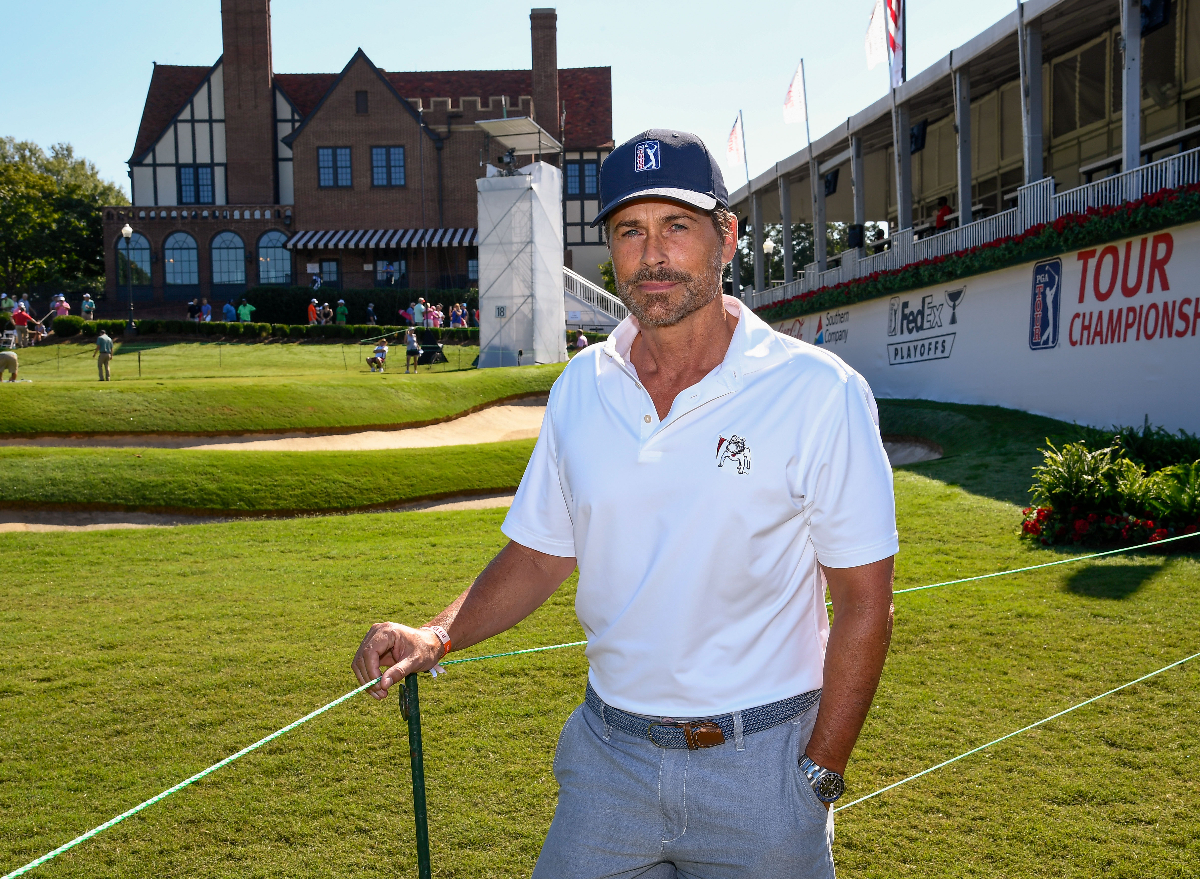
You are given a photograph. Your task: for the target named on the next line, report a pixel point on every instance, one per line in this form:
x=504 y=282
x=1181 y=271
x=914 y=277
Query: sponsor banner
x=1102 y=336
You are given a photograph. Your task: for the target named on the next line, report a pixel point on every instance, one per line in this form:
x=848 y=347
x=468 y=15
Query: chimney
x=249 y=114
x=543 y=25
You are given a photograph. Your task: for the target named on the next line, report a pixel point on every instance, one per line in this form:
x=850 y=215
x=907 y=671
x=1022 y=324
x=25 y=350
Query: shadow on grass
x=989 y=451
x=1106 y=581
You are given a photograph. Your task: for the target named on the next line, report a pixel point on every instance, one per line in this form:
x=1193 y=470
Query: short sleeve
x=539 y=517
x=852 y=512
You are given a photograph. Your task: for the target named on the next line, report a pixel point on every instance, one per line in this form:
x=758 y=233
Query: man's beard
x=658 y=309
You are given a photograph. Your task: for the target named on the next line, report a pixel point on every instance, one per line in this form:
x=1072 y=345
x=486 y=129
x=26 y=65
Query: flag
x=735 y=156
x=895 y=40
x=794 y=107
x=877 y=46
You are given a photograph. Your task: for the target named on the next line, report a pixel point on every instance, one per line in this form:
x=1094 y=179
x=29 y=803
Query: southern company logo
x=647 y=156
x=1044 y=307
x=917 y=322
x=820 y=339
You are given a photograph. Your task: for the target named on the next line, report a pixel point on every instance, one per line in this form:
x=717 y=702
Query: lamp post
x=768 y=249
x=127 y=234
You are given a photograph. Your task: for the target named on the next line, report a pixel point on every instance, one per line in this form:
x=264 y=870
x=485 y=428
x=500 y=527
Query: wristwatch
x=826 y=784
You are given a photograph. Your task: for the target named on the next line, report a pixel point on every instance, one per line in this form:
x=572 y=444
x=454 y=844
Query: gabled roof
x=360 y=55
x=171 y=87
x=587 y=92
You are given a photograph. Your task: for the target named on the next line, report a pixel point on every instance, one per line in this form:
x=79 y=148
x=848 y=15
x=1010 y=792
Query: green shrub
x=149 y=327
x=314 y=331
x=1155 y=447
x=67 y=326
x=233 y=330
x=173 y=327
x=1101 y=497
x=262 y=330
x=297 y=331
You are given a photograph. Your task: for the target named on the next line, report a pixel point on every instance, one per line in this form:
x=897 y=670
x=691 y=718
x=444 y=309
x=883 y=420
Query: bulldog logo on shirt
x=734 y=450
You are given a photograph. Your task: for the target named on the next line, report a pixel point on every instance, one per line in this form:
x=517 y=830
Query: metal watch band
x=826 y=784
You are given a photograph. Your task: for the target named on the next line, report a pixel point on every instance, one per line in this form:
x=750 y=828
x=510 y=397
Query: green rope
x=199 y=775
x=514 y=652
x=1017 y=732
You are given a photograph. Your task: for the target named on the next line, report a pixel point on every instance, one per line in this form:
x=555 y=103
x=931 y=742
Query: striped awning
x=386 y=239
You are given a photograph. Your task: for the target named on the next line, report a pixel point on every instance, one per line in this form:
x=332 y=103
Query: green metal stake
x=411 y=709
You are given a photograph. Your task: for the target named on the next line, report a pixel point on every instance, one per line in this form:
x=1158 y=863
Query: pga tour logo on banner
x=647 y=156
x=1044 y=307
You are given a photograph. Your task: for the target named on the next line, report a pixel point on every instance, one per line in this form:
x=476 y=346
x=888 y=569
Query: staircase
x=607 y=308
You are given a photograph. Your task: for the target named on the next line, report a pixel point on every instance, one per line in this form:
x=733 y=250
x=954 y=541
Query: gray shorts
x=628 y=808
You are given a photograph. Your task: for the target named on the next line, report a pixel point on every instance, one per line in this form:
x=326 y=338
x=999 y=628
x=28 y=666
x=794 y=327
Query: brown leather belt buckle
x=704 y=734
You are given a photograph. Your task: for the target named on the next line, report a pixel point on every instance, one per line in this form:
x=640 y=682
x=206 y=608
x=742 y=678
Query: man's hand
x=403 y=649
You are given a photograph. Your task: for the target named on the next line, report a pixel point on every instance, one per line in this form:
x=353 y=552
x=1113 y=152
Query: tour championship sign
x=1101 y=336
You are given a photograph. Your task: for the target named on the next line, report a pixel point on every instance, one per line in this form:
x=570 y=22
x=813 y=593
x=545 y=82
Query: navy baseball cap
x=661 y=163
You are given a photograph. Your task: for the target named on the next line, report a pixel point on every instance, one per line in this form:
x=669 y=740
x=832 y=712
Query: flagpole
x=804 y=91
x=745 y=158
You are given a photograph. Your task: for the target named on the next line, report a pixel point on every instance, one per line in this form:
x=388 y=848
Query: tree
x=51 y=222
x=803 y=247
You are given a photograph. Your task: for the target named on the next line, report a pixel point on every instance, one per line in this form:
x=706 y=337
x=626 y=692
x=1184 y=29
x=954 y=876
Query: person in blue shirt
x=229 y=312
x=371 y=313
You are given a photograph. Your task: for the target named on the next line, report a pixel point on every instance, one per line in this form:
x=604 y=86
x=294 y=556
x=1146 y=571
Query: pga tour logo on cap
x=647 y=156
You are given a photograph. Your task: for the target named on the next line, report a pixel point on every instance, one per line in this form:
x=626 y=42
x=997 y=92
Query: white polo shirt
x=698 y=536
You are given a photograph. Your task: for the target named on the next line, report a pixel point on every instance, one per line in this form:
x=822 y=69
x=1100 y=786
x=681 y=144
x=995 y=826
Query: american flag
x=795 y=108
x=735 y=155
x=885 y=38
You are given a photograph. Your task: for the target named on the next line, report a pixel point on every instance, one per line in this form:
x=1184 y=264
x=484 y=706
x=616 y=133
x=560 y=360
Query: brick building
x=241 y=176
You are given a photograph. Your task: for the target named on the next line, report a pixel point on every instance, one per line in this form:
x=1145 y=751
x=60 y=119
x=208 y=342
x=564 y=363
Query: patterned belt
x=703 y=732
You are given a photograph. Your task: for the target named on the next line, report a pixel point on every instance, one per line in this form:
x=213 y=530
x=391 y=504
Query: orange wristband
x=443 y=636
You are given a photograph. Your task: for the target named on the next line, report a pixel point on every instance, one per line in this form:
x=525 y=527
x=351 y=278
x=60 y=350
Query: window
x=195 y=184
x=590 y=177
x=1078 y=89
x=329 y=272
x=274 y=260
x=472 y=270
x=390 y=274
x=360 y=102
x=333 y=167
x=572 y=178
x=583 y=178
x=387 y=166
x=228 y=259
x=138 y=255
x=179 y=258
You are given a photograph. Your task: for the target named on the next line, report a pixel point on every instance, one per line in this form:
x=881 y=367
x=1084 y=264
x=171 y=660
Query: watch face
x=829 y=787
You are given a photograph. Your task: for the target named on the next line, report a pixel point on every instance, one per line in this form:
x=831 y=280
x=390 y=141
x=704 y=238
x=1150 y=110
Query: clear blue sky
x=78 y=71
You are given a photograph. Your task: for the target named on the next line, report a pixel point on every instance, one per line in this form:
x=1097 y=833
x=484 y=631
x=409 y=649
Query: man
x=8 y=362
x=229 y=312
x=87 y=309
x=710 y=476
x=245 y=311
x=312 y=312
x=21 y=320
x=194 y=311
x=342 y=312
x=205 y=311
x=371 y=314
x=103 y=354
x=418 y=313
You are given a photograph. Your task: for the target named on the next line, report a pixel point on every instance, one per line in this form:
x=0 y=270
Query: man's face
x=667 y=260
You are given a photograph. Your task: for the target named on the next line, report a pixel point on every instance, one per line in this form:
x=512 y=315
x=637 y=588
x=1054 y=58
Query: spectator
x=371 y=314
x=21 y=321
x=407 y=313
x=37 y=332
x=103 y=355
x=581 y=341
x=23 y=303
x=245 y=310
x=379 y=358
x=312 y=312
x=316 y=283
x=229 y=313
x=418 y=313
x=342 y=312
x=943 y=211
x=87 y=309
x=205 y=311
x=412 y=350
x=434 y=316
x=326 y=314
x=62 y=308
x=6 y=306
x=194 y=311
x=8 y=361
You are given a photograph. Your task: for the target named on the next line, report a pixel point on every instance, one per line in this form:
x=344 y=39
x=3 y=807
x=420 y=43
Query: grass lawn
x=133 y=660
x=181 y=481
x=192 y=396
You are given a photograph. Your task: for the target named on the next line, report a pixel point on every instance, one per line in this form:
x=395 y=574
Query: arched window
x=137 y=254
x=274 y=260
x=179 y=260
x=228 y=259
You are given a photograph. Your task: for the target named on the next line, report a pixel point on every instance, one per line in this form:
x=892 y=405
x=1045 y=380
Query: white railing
x=1036 y=203
x=597 y=297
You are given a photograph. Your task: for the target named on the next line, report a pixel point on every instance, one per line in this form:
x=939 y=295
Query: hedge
x=72 y=326
x=290 y=304
x=1167 y=207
